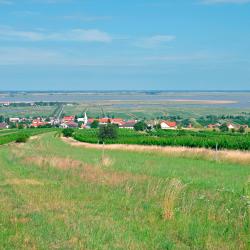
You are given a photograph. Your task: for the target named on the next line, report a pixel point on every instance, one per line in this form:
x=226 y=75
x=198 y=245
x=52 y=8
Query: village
x=84 y=122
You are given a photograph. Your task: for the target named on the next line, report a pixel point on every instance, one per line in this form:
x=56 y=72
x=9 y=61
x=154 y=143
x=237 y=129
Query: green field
x=186 y=138
x=55 y=196
x=27 y=111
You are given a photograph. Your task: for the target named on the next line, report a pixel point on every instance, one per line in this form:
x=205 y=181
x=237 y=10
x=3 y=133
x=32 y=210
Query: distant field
x=130 y=104
x=26 y=111
x=55 y=196
x=149 y=110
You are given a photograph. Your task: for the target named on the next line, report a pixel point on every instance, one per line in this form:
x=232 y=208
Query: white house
x=168 y=125
x=230 y=126
x=14 y=119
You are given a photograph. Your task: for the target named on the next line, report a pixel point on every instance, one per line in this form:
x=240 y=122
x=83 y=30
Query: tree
x=140 y=126
x=2 y=119
x=224 y=127
x=157 y=126
x=242 y=130
x=94 y=124
x=109 y=131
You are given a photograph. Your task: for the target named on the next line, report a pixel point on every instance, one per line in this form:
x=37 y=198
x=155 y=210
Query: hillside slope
x=56 y=196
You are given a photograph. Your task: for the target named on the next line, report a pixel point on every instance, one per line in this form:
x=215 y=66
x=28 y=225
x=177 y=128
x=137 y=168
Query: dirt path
x=233 y=156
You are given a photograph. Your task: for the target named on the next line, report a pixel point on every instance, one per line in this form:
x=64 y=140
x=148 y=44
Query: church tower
x=85 y=119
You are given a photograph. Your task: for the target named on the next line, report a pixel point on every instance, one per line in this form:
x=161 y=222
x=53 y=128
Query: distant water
x=242 y=98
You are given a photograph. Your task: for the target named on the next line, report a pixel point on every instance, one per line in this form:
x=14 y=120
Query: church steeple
x=85 y=119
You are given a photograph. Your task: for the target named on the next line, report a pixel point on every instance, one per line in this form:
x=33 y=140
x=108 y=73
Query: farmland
x=201 y=139
x=87 y=198
x=7 y=136
x=130 y=104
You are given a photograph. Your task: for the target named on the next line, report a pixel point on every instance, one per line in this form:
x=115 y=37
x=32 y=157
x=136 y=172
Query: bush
x=224 y=128
x=242 y=130
x=22 y=138
x=68 y=132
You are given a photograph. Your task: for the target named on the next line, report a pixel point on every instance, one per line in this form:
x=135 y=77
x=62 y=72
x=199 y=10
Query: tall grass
x=55 y=196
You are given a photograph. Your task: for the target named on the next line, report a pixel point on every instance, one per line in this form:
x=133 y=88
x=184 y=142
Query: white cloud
x=78 y=35
x=225 y=1
x=154 y=41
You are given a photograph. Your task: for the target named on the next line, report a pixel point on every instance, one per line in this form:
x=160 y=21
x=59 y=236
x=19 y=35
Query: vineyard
x=7 y=136
x=202 y=139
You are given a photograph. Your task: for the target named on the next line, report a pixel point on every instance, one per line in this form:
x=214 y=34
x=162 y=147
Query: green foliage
x=68 y=132
x=2 y=119
x=22 y=138
x=242 y=130
x=201 y=139
x=109 y=131
x=94 y=124
x=7 y=136
x=140 y=126
x=20 y=126
x=224 y=128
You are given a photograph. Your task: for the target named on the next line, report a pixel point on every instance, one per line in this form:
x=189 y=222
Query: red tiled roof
x=68 y=118
x=170 y=124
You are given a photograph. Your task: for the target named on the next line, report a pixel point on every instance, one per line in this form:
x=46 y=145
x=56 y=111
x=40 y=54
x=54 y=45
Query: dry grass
x=23 y=182
x=57 y=162
x=106 y=161
x=173 y=191
x=91 y=173
x=233 y=156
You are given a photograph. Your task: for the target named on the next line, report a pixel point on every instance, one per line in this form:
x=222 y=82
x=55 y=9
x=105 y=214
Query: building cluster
x=230 y=126
x=86 y=123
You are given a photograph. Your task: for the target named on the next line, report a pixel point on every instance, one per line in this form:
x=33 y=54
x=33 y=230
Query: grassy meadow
x=56 y=196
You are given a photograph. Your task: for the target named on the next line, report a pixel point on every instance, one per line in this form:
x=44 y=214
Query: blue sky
x=132 y=44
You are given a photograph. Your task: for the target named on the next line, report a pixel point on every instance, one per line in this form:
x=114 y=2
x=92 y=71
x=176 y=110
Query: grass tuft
x=172 y=193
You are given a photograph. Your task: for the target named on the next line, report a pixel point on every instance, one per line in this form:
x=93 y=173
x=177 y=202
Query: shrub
x=22 y=138
x=242 y=130
x=68 y=132
x=224 y=128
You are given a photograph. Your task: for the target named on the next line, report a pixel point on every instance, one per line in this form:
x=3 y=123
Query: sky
x=125 y=45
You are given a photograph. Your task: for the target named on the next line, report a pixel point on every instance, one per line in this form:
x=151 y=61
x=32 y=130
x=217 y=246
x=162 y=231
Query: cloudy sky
x=132 y=44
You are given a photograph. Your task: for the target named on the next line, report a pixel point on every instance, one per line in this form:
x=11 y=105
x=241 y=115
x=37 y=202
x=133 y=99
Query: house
x=14 y=119
x=104 y=121
x=230 y=126
x=37 y=123
x=117 y=121
x=128 y=125
x=213 y=126
x=4 y=125
x=63 y=125
x=67 y=119
x=72 y=125
x=168 y=125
